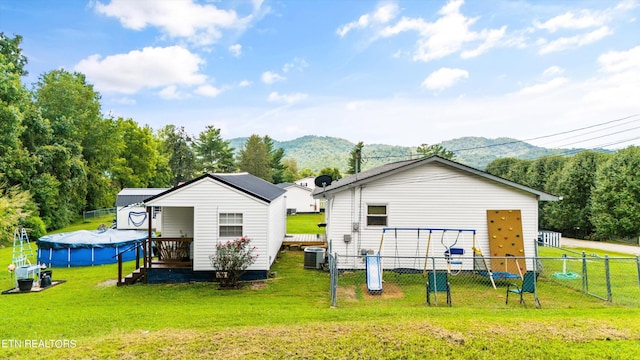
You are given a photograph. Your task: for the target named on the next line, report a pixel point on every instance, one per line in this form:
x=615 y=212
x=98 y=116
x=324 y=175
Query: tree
x=333 y=172
x=13 y=210
x=138 y=161
x=290 y=173
x=181 y=158
x=501 y=167
x=73 y=107
x=275 y=160
x=213 y=153
x=15 y=164
x=545 y=169
x=12 y=53
x=355 y=159
x=572 y=214
x=615 y=202
x=435 y=150
x=255 y=159
x=306 y=172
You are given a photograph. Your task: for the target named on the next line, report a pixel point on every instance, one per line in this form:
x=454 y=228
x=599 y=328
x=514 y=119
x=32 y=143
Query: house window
x=231 y=225
x=377 y=215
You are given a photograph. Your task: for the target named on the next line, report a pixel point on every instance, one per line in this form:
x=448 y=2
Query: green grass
x=305 y=223
x=89 y=224
x=290 y=316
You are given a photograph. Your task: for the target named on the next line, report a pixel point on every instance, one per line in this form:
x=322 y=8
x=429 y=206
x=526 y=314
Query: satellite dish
x=323 y=180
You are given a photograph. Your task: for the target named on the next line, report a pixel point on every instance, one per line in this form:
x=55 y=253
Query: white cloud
x=287 y=98
x=235 y=50
x=171 y=93
x=569 y=20
x=382 y=15
x=543 y=88
x=295 y=64
x=553 y=71
x=151 y=67
x=208 y=91
x=198 y=23
x=244 y=83
x=576 y=41
x=269 y=77
x=124 y=101
x=449 y=34
x=621 y=61
x=444 y=78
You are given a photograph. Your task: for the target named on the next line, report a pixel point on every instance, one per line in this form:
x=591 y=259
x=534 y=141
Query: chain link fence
x=568 y=281
x=92 y=214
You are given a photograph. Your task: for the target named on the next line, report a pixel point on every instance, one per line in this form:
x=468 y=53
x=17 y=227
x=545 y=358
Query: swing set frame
x=451 y=252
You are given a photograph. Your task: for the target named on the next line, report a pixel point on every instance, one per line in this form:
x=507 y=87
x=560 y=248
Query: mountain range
x=318 y=152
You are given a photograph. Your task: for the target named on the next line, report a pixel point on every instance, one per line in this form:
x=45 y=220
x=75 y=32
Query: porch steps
x=132 y=278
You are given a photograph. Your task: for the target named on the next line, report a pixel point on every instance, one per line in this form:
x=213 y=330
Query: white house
x=131 y=212
x=299 y=199
x=427 y=193
x=219 y=207
x=307 y=182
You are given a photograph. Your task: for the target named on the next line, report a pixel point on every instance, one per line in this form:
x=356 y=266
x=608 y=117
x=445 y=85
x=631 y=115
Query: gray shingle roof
x=244 y=182
x=387 y=169
x=128 y=196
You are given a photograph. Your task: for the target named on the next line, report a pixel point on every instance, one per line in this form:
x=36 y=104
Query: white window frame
x=385 y=215
x=229 y=223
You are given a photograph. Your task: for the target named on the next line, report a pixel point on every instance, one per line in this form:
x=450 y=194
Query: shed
x=427 y=193
x=299 y=199
x=131 y=213
x=219 y=207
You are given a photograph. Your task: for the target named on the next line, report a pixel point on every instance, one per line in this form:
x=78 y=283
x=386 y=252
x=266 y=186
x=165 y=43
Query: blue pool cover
x=85 y=248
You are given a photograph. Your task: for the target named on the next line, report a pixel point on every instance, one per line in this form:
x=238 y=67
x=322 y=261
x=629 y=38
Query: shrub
x=231 y=260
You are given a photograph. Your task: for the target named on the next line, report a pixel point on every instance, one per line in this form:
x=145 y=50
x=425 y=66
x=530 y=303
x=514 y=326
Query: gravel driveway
x=624 y=249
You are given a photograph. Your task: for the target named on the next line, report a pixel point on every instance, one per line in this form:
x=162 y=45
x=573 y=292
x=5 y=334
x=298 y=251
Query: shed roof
x=129 y=196
x=392 y=168
x=244 y=182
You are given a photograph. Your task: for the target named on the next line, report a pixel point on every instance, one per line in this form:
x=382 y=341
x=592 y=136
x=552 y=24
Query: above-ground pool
x=84 y=247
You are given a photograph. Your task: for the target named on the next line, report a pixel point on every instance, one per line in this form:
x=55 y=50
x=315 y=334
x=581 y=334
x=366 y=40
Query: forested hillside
x=318 y=152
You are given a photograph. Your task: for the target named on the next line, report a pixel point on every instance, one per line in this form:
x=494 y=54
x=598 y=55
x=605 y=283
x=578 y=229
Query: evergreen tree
x=213 y=153
x=181 y=158
x=255 y=159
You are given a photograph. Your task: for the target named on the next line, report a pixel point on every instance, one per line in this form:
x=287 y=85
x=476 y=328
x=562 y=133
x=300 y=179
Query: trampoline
x=86 y=248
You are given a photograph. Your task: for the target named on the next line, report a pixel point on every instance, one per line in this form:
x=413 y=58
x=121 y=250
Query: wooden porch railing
x=171 y=250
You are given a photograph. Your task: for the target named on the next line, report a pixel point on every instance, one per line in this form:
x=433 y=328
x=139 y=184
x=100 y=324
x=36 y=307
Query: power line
x=635 y=117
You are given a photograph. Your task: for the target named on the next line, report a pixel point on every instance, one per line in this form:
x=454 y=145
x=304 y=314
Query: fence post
x=333 y=276
x=638 y=267
x=608 y=278
x=585 y=281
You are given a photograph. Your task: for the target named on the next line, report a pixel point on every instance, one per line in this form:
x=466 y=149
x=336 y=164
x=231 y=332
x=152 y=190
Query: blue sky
x=384 y=72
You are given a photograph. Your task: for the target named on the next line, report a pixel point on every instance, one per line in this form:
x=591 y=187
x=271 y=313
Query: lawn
x=288 y=316
x=305 y=223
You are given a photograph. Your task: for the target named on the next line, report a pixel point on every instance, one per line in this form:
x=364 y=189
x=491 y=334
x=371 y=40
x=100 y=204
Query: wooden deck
x=301 y=241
